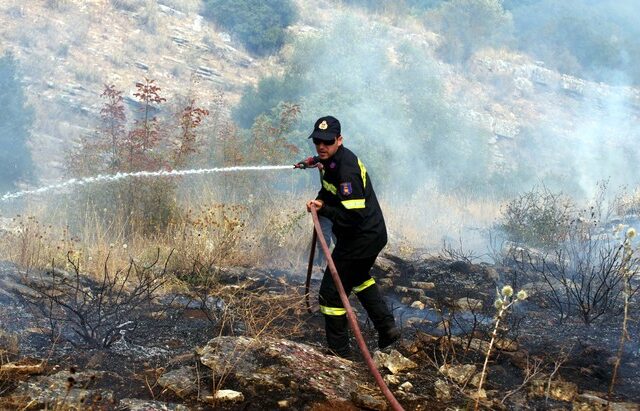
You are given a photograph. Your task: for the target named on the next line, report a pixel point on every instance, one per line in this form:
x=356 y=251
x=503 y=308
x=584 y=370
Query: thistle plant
x=504 y=301
x=626 y=277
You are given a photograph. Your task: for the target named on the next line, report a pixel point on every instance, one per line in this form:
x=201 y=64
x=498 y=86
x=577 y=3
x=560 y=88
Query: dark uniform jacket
x=351 y=204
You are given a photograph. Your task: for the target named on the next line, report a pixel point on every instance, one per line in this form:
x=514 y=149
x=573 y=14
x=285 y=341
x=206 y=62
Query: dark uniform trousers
x=354 y=275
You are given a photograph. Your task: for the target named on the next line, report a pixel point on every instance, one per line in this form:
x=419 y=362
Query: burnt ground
x=166 y=337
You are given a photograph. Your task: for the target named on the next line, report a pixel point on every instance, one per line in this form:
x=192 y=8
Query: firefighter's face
x=326 y=149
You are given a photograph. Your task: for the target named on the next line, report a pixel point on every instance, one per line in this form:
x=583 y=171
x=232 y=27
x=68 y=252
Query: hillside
x=69 y=49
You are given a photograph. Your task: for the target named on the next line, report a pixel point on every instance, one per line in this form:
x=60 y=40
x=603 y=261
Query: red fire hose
x=351 y=317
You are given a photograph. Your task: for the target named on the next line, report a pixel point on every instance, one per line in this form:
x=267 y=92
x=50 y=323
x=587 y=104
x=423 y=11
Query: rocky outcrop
x=280 y=365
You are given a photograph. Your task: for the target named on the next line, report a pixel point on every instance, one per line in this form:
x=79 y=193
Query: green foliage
x=469 y=25
x=259 y=25
x=538 y=218
x=16 y=119
x=270 y=92
x=597 y=41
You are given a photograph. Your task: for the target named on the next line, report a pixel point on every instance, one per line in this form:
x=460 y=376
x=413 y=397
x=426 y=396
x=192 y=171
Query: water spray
x=119 y=176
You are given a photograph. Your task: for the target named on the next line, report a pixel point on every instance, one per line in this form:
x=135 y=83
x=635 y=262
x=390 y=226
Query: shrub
x=259 y=25
x=148 y=205
x=538 y=218
x=96 y=311
x=469 y=25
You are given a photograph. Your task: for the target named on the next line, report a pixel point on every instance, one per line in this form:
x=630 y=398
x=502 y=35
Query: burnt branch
x=97 y=310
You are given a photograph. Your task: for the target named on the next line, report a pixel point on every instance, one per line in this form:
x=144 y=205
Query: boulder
x=458 y=373
x=283 y=365
x=183 y=381
x=66 y=390
x=443 y=390
x=593 y=401
x=396 y=362
x=469 y=304
x=558 y=389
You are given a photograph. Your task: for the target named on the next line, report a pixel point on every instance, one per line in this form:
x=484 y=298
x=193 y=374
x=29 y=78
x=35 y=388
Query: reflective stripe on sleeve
x=364 y=285
x=353 y=204
x=363 y=173
x=332 y=310
x=330 y=187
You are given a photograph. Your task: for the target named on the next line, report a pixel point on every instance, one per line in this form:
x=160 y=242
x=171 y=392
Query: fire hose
x=351 y=318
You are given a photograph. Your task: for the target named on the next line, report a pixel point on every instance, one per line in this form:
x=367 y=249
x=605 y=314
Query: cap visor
x=323 y=135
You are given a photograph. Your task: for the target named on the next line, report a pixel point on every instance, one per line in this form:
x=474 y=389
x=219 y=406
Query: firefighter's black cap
x=326 y=128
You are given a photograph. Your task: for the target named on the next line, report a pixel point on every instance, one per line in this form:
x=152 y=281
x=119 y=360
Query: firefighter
x=348 y=200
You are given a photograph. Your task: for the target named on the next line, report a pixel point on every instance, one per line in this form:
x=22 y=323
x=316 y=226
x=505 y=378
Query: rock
x=475 y=380
x=379 y=358
x=458 y=373
x=385 y=282
x=275 y=364
x=396 y=362
x=141 y=65
x=183 y=381
x=419 y=305
x=369 y=402
x=505 y=344
x=387 y=266
x=131 y=404
x=423 y=285
x=491 y=273
x=66 y=390
x=414 y=293
x=392 y=379
x=589 y=401
x=443 y=390
x=228 y=396
x=413 y=321
x=558 y=390
x=283 y=404
x=469 y=304
x=407 y=386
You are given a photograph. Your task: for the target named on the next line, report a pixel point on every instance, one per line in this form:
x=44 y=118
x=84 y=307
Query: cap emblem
x=323 y=125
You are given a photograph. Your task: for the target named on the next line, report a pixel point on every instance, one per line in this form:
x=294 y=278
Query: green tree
x=469 y=25
x=258 y=24
x=16 y=119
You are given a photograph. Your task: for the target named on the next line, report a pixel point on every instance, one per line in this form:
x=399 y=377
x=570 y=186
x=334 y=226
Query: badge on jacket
x=345 y=189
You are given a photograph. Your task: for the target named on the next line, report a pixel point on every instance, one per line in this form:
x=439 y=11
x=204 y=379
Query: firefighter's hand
x=318 y=204
x=306 y=163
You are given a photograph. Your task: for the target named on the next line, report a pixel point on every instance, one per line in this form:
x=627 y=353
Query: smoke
x=427 y=129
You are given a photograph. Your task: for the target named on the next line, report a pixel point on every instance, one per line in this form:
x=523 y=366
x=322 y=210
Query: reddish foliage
x=146 y=135
x=113 y=122
x=190 y=118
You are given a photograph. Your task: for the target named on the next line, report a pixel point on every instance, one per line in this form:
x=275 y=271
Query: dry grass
x=261 y=231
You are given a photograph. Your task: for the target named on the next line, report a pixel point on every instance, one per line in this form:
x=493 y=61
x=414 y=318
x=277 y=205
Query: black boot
x=386 y=338
x=337 y=331
x=380 y=315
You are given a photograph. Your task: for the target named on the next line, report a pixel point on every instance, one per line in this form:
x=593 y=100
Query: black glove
x=308 y=162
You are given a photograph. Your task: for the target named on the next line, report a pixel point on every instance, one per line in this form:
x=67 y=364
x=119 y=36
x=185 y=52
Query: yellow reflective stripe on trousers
x=364 y=285
x=363 y=173
x=330 y=188
x=332 y=310
x=353 y=204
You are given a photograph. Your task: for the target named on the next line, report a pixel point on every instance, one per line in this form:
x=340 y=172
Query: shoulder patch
x=346 y=189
